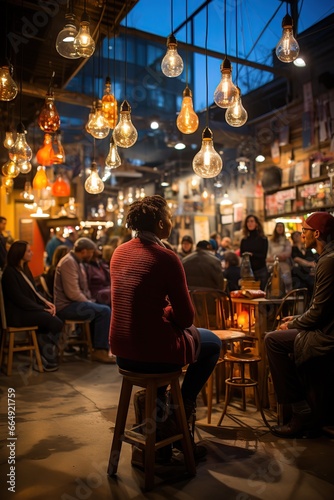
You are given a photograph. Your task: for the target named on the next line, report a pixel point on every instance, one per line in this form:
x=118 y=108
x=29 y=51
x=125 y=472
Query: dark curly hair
x=144 y=214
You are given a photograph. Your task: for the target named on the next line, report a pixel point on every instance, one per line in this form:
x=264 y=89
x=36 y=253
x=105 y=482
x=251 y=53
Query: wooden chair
x=17 y=339
x=293 y=303
x=83 y=340
x=147 y=441
x=213 y=311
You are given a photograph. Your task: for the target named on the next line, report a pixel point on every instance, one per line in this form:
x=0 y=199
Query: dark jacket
x=316 y=337
x=258 y=246
x=203 y=270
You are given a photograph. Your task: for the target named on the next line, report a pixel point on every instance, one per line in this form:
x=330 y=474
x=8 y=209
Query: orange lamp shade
x=40 y=181
x=243 y=319
x=45 y=154
x=61 y=187
x=49 y=120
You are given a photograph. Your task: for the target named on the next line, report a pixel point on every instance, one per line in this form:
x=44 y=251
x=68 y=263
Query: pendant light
x=125 y=134
x=9 y=140
x=10 y=169
x=236 y=115
x=287 y=49
x=98 y=126
x=113 y=159
x=58 y=151
x=94 y=184
x=109 y=105
x=61 y=186
x=207 y=162
x=172 y=63
x=187 y=120
x=49 y=119
x=226 y=92
x=45 y=154
x=65 y=39
x=27 y=194
x=90 y=117
x=8 y=88
x=84 y=44
x=24 y=166
x=20 y=151
x=40 y=181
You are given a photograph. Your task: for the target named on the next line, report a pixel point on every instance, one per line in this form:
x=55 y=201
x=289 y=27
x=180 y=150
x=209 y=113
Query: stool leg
x=243 y=389
x=227 y=397
x=183 y=426
x=150 y=419
x=87 y=334
x=122 y=412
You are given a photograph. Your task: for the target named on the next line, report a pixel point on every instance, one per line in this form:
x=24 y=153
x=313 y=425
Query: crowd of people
x=135 y=292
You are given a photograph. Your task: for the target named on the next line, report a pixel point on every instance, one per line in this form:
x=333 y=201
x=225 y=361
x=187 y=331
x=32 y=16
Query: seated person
x=203 y=269
x=25 y=306
x=187 y=244
x=98 y=278
x=73 y=299
x=232 y=270
x=49 y=276
x=304 y=262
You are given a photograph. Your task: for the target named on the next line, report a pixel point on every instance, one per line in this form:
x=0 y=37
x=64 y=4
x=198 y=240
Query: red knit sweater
x=143 y=277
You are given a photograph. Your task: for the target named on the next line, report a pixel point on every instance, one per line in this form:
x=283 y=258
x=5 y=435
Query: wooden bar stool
x=147 y=442
x=84 y=340
x=245 y=361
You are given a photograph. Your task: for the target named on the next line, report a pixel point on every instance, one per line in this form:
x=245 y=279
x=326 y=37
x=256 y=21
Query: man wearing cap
x=187 y=244
x=302 y=338
x=73 y=299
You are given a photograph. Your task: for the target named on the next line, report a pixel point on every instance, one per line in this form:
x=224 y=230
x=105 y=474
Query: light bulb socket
x=99 y=104
x=70 y=18
x=187 y=92
x=171 y=40
x=287 y=21
x=207 y=134
x=85 y=19
x=125 y=107
x=20 y=129
x=94 y=166
x=226 y=65
x=108 y=80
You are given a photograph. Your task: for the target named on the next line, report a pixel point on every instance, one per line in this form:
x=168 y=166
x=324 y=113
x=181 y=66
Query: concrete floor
x=64 y=427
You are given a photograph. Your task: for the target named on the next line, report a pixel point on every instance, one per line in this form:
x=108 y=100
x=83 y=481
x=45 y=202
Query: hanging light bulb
x=20 y=151
x=58 y=156
x=226 y=92
x=40 y=181
x=125 y=134
x=45 y=154
x=93 y=184
x=90 y=117
x=27 y=194
x=10 y=169
x=24 y=166
x=236 y=115
x=287 y=49
x=242 y=166
x=61 y=186
x=187 y=120
x=8 y=88
x=49 y=119
x=109 y=105
x=98 y=126
x=84 y=44
x=113 y=159
x=110 y=206
x=65 y=39
x=207 y=162
x=8 y=182
x=172 y=64
x=9 y=140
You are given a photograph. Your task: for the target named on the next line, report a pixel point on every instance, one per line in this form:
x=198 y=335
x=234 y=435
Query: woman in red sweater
x=149 y=298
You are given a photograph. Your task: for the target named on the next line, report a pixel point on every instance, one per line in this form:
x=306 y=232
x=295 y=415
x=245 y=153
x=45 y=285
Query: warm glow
x=287 y=49
x=20 y=151
x=40 y=181
x=45 y=154
x=243 y=319
x=113 y=159
x=84 y=44
x=187 y=120
x=10 y=169
x=94 y=184
x=172 y=64
x=49 y=119
x=98 y=126
x=125 y=134
x=226 y=92
x=236 y=115
x=8 y=88
x=207 y=162
x=109 y=106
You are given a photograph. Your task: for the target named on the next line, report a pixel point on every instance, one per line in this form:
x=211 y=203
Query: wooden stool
x=147 y=442
x=244 y=360
x=84 y=340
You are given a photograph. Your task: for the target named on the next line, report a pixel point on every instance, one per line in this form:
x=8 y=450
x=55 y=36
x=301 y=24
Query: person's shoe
x=47 y=365
x=101 y=355
x=300 y=425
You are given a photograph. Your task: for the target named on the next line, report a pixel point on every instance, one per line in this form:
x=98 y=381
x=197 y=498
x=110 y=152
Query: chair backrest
x=2 y=307
x=212 y=308
x=294 y=303
x=45 y=287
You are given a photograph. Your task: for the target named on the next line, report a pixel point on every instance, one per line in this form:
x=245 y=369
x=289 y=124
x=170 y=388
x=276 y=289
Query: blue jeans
x=98 y=314
x=197 y=373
